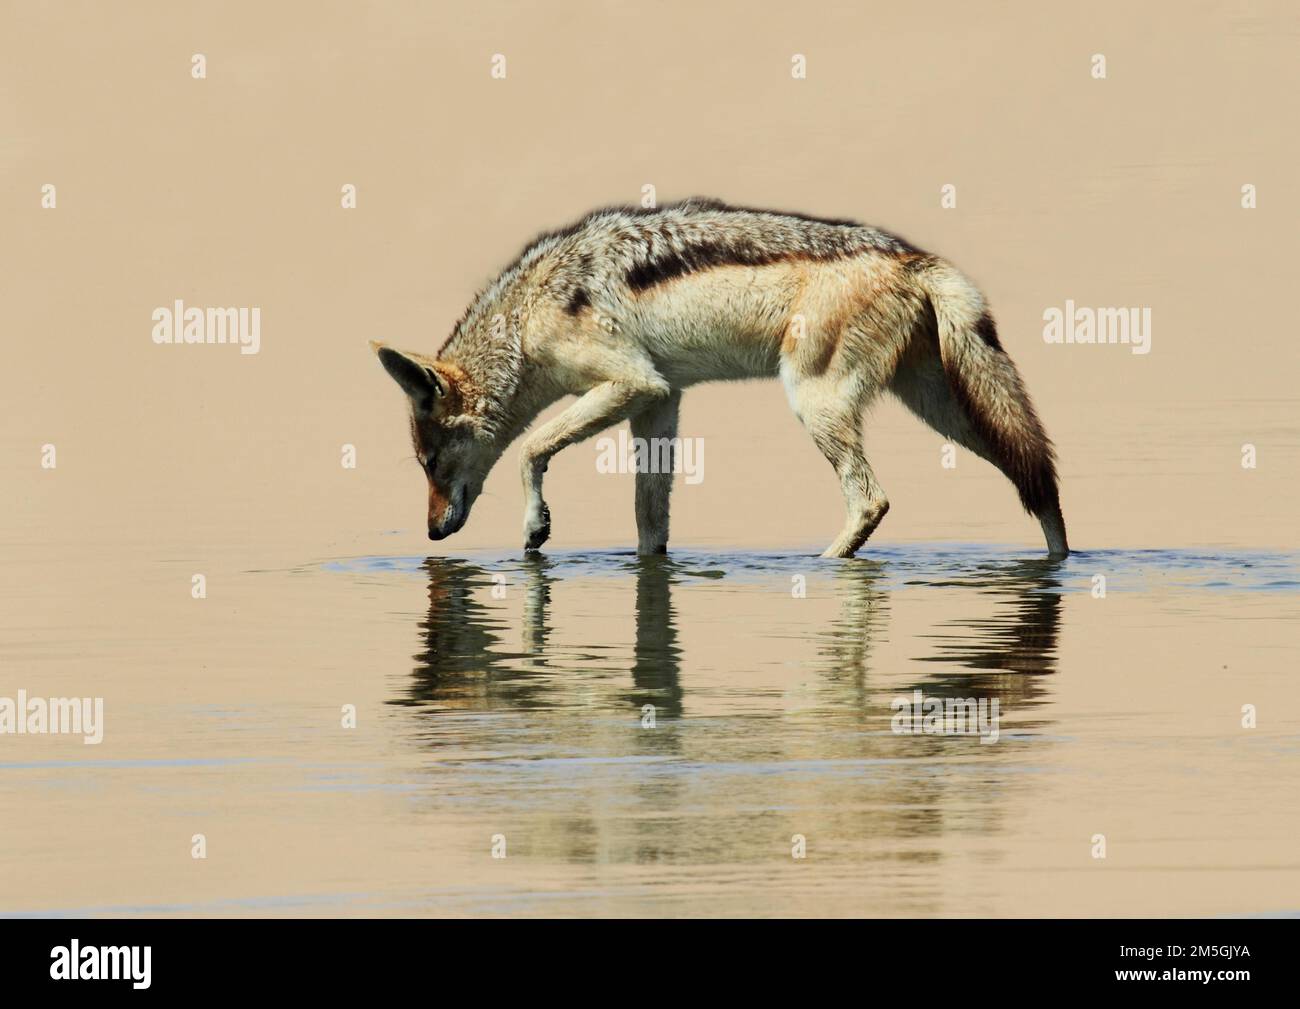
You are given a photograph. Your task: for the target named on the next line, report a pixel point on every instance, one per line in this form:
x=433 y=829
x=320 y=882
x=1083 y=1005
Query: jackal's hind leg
x=863 y=496
x=837 y=431
x=656 y=426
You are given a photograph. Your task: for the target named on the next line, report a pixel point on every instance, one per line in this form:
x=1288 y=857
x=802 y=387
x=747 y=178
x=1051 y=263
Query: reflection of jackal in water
x=628 y=307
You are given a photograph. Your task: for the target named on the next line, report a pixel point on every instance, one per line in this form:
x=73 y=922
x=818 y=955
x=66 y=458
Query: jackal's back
x=618 y=254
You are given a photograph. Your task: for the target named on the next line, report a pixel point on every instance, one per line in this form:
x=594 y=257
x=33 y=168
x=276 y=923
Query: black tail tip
x=1053 y=523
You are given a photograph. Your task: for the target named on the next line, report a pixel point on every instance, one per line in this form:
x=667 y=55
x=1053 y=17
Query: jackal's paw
x=537 y=527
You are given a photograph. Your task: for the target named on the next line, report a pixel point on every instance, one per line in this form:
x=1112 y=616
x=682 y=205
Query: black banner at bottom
x=216 y=957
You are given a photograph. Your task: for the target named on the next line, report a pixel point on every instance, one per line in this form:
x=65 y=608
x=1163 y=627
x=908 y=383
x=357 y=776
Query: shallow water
x=654 y=736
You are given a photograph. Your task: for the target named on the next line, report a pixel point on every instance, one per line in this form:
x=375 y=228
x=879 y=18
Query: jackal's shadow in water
x=473 y=657
x=1006 y=655
x=467 y=659
x=1003 y=656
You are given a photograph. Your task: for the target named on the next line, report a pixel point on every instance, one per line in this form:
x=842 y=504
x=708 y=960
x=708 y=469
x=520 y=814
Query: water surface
x=660 y=736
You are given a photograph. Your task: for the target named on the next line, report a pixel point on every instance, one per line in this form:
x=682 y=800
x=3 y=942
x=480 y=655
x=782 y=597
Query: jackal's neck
x=532 y=395
x=487 y=345
x=489 y=365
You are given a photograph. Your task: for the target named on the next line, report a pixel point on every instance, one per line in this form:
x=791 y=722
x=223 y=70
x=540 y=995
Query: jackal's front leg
x=656 y=425
x=595 y=410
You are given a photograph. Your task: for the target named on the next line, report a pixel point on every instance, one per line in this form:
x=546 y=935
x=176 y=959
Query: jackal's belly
x=726 y=324
x=685 y=359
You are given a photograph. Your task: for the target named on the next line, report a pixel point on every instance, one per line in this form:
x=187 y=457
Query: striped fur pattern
x=628 y=307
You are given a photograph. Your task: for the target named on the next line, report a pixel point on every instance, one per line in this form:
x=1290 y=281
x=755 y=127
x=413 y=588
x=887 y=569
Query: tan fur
x=628 y=308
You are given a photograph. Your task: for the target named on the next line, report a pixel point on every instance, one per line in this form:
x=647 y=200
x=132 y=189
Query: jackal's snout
x=447 y=511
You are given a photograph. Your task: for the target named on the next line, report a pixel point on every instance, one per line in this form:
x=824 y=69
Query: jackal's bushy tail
x=988 y=389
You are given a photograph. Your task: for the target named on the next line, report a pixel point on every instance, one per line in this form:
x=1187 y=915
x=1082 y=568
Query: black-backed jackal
x=628 y=307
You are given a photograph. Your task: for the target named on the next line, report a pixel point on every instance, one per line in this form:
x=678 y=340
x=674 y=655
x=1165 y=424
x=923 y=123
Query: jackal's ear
x=419 y=381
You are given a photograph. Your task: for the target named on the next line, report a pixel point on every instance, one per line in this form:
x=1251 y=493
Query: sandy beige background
x=225 y=191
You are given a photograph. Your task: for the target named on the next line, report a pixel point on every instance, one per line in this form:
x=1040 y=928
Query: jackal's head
x=451 y=443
